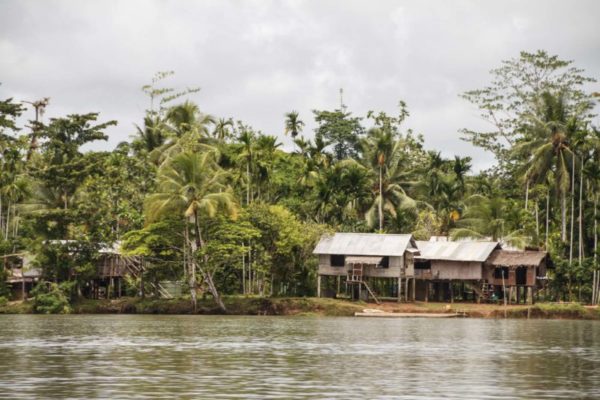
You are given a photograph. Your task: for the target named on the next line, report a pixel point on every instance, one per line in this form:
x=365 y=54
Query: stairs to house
x=355 y=277
x=483 y=291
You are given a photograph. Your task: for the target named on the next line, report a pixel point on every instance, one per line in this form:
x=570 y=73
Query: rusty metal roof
x=509 y=258
x=456 y=251
x=365 y=244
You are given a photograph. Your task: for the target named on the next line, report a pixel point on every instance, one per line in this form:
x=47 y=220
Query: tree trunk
x=580 y=241
x=563 y=214
x=527 y=195
x=243 y=272
x=248 y=182
x=191 y=268
x=572 y=225
x=547 y=216
x=205 y=274
x=596 y=243
x=1 y=220
x=380 y=198
x=7 y=220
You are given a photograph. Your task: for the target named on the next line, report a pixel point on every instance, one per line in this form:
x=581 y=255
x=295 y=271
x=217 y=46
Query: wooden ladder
x=355 y=276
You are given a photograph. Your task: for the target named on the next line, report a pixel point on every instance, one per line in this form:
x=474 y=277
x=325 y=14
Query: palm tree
x=486 y=218
x=266 y=147
x=186 y=118
x=222 y=129
x=549 y=149
x=246 y=155
x=152 y=136
x=191 y=184
x=293 y=124
x=384 y=156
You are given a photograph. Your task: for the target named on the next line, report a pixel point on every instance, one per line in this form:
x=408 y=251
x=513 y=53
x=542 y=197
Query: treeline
x=219 y=205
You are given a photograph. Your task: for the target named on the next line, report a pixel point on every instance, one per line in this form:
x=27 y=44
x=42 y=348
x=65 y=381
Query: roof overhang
x=368 y=260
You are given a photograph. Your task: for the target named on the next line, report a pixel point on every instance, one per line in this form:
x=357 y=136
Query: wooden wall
x=456 y=270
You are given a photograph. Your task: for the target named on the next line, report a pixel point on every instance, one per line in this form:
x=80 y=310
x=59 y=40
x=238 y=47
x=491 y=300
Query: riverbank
x=310 y=306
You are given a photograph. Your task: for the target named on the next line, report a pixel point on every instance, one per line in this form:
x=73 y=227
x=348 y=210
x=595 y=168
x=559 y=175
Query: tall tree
x=192 y=185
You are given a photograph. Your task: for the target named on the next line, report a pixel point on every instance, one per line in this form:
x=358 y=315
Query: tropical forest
x=221 y=207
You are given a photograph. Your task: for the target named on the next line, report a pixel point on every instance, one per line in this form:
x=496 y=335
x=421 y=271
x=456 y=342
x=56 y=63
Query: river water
x=128 y=356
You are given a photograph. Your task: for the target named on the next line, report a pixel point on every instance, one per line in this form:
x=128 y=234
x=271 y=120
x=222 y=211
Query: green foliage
x=51 y=298
x=342 y=131
x=222 y=207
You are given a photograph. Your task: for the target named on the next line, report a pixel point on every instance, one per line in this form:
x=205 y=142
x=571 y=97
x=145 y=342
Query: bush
x=50 y=298
x=3 y=301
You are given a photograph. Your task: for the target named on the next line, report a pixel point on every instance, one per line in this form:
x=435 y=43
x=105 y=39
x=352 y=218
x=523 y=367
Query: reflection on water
x=124 y=356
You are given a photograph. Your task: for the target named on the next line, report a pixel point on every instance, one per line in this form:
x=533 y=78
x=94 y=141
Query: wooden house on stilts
x=361 y=260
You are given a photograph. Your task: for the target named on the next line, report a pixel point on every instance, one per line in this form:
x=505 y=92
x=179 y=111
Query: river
x=149 y=356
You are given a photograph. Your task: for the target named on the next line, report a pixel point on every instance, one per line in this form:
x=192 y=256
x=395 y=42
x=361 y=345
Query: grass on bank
x=310 y=306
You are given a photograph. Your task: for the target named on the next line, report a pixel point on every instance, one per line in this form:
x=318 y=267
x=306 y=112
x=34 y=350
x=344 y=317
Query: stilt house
x=357 y=259
x=440 y=264
x=521 y=273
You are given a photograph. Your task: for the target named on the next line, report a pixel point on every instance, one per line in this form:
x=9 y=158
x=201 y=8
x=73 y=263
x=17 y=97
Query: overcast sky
x=256 y=60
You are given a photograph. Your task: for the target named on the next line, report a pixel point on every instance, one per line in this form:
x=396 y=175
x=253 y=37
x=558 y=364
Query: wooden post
x=399 y=289
x=451 y=292
x=119 y=284
x=426 y=292
x=339 y=283
x=406 y=290
x=318 y=285
x=414 y=289
x=22 y=287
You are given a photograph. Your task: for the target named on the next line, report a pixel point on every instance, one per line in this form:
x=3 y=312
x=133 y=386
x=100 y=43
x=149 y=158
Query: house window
x=338 y=260
x=385 y=262
x=498 y=272
x=423 y=264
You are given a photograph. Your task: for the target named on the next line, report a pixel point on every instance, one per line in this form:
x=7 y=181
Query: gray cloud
x=256 y=60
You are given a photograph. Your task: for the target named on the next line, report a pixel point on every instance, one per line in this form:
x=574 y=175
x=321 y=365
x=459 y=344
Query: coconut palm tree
x=293 y=124
x=548 y=147
x=152 y=136
x=383 y=157
x=486 y=218
x=186 y=118
x=192 y=185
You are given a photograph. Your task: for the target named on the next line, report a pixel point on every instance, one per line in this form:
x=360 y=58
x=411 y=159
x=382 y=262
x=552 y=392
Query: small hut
x=520 y=273
x=360 y=258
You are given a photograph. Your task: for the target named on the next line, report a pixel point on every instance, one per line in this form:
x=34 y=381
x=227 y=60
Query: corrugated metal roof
x=456 y=251
x=364 y=244
x=507 y=258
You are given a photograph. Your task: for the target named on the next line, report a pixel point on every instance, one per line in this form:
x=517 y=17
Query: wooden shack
x=517 y=273
x=355 y=259
x=442 y=264
x=22 y=281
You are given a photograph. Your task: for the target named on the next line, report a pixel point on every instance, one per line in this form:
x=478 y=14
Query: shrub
x=3 y=301
x=50 y=298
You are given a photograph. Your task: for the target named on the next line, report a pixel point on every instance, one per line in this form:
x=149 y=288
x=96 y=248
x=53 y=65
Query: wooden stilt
x=451 y=287
x=426 y=292
x=414 y=289
x=319 y=286
x=399 y=289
